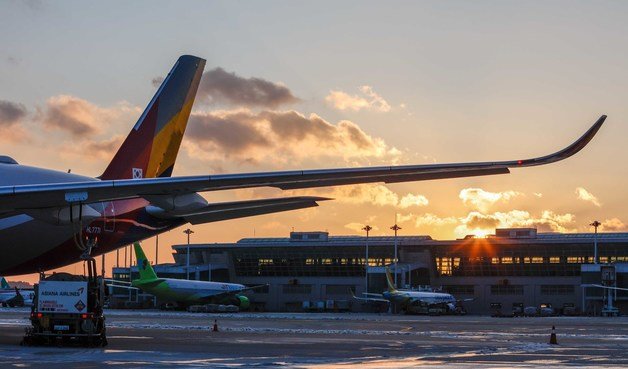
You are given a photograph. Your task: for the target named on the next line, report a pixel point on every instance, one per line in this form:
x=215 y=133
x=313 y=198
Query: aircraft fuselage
x=187 y=291
x=49 y=233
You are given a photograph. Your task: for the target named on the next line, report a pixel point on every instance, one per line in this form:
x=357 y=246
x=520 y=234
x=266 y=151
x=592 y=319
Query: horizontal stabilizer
x=240 y=209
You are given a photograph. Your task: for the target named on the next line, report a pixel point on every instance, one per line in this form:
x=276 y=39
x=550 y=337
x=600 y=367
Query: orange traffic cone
x=215 y=328
x=553 y=340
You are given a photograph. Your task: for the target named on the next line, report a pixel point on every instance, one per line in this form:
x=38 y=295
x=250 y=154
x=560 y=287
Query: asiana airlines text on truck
x=62 y=297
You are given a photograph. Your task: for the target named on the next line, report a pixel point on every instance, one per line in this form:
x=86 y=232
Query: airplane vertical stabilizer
x=150 y=150
x=389 y=281
x=143 y=265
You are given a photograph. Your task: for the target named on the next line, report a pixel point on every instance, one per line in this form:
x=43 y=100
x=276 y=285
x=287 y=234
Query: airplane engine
x=240 y=301
x=243 y=302
x=177 y=205
x=65 y=215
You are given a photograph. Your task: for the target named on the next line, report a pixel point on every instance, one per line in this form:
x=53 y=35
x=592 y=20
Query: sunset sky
x=351 y=84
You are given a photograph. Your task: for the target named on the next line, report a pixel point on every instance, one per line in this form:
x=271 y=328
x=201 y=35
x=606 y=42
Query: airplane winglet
x=568 y=151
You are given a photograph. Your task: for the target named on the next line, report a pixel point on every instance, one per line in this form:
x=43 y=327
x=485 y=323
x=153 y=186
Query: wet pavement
x=178 y=339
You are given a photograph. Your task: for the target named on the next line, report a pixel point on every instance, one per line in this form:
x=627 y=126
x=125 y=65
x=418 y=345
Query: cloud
x=482 y=200
x=369 y=100
x=236 y=134
x=280 y=137
x=11 y=113
x=413 y=200
x=433 y=220
x=13 y=60
x=94 y=150
x=613 y=225
x=475 y=220
x=404 y=218
x=79 y=117
x=480 y=223
x=357 y=227
x=71 y=114
x=220 y=86
x=585 y=195
x=156 y=82
x=372 y=194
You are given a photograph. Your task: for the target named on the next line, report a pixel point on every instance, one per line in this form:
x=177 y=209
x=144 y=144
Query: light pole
x=187 y=256
x=395 y=228
x=156 y=249
x=366 y=228
x=595 y=224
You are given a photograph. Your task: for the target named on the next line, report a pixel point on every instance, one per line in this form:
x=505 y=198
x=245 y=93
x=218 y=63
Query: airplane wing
x=252 y=288
x=234 y=292
x=369 y=299
x=466 y=300
x=36 y=196
x=605 y=287
x=116 y=283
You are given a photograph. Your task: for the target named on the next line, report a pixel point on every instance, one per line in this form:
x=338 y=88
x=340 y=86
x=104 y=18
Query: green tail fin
x=143 y=265
x=389 y=280
x=4 y=284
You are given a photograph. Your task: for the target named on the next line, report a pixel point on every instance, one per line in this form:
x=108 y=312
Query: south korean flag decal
x=137 y=173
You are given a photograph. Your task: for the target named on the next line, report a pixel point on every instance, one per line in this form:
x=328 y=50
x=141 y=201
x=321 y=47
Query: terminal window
x=339 y=289
x=463 y=289
x=557 y=289
x=506 y=290
x=307 y=262
x=297 y=289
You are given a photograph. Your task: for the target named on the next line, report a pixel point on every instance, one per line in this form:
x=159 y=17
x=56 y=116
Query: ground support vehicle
x=68 y=309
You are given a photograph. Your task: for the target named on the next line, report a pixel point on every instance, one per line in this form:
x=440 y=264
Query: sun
x=481 y=232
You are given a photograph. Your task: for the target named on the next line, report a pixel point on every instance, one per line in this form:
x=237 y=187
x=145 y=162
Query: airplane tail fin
x=143 y=265
x=389 y=281
x=150 y=150
x=4 y=284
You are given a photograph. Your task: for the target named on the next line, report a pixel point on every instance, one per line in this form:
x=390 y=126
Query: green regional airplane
x=186 y=292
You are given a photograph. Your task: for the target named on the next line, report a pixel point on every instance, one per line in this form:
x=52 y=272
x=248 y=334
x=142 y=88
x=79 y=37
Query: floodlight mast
x=395 y=228
x=366 y=228
x=187 y=257
x=595 y=224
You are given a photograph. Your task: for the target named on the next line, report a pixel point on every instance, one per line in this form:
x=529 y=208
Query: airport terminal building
x=313 y=270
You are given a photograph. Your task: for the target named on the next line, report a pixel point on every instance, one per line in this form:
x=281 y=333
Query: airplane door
x=109 y=217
